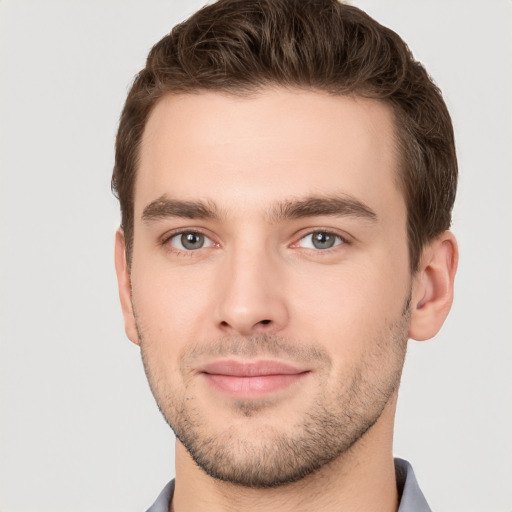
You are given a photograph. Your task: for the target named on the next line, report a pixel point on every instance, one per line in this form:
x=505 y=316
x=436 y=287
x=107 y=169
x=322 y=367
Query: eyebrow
x=317 y=206
x=312 y=206
x=163 y=207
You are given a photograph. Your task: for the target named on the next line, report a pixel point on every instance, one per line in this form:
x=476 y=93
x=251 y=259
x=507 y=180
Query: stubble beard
x=268 y=457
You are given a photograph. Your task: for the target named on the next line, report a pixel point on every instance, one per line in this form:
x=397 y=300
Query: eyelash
x=166 y=242
x=343 y=240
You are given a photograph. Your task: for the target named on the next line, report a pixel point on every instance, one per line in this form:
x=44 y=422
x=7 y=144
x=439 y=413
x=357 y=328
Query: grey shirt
x=411 y=497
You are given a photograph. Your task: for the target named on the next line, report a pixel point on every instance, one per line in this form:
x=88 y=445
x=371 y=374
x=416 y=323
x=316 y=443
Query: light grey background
x=79 y=430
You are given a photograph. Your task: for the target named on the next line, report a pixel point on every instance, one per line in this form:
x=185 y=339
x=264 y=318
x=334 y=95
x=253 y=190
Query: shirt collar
x=411 y=497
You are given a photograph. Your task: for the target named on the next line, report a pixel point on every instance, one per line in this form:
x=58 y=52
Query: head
x=286 y=173
x=239 y=47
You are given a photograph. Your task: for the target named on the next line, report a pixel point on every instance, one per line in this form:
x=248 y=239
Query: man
x=286 y=173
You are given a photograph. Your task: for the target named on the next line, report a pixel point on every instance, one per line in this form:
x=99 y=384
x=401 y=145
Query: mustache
x=255 y=346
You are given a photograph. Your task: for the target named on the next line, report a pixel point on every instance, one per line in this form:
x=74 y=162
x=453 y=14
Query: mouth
x=251 y=379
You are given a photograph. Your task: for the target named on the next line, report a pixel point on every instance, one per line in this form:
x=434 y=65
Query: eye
x=189 y=241
x=320 y=240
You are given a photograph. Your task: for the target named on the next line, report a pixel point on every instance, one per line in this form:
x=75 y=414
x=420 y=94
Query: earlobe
x=124 y=285
x=433 y=287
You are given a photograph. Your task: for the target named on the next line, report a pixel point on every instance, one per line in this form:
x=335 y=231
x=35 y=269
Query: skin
x=259 y=289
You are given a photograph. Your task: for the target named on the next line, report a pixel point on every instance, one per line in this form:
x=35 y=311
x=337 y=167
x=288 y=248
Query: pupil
x=323 y=240
x=192 y=240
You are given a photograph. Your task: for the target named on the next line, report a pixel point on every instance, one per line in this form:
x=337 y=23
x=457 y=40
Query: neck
x=361 y=479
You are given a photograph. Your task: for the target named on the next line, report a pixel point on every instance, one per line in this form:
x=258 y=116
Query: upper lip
x=249 y=368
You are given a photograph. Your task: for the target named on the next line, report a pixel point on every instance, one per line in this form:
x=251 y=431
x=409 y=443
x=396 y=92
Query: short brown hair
x=242 y=46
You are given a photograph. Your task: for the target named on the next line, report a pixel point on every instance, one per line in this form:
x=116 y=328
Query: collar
x=411 y=497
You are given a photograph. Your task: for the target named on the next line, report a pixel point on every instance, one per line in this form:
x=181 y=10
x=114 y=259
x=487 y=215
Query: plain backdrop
x=79 y=430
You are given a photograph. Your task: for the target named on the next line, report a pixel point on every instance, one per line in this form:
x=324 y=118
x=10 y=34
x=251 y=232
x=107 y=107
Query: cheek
x=171 y=303
x=346 y=308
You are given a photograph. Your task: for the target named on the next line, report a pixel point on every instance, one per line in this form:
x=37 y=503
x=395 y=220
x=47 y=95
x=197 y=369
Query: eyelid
x=344 y=238
x=165 y=239
x=169 y=235
x=337 y=239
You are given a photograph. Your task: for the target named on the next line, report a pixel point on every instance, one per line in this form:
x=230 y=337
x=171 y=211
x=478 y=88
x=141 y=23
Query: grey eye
x=320 y=240
x=190 y=241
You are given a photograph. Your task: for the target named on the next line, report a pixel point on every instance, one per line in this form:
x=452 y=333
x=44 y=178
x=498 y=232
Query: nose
x=252 y=295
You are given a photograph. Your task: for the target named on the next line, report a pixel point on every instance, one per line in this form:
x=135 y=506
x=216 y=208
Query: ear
x=125 y=288
x=432 y=293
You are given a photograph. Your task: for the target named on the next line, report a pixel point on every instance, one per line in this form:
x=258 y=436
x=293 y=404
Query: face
x=270 y=279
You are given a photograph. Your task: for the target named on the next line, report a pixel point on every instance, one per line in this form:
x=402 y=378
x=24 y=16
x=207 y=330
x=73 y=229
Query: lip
x=251 y=379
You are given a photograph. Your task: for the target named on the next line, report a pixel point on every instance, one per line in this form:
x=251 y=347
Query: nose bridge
x=251 y=297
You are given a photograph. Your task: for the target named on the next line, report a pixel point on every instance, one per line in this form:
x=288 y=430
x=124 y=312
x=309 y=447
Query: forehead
x=275 y=144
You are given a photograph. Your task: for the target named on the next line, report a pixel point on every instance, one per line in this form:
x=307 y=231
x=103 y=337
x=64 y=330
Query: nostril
x=265 y=322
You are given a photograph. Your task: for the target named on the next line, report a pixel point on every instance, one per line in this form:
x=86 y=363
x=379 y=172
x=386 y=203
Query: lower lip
x=252 y=386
